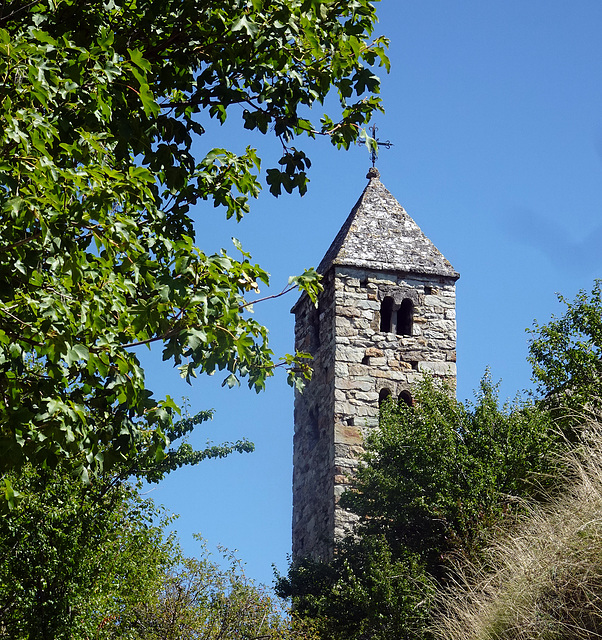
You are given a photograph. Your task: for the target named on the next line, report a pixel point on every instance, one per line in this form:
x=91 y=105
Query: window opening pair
x=396 y=319
x=405 y=397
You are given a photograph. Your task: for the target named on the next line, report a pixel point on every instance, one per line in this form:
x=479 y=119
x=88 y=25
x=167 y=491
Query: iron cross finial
x=377 y=143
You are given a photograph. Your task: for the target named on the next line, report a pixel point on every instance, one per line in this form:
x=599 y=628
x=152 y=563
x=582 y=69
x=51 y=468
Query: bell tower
x=386 y=315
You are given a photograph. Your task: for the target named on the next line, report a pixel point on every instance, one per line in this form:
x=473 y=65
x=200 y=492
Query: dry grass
x=546 y=581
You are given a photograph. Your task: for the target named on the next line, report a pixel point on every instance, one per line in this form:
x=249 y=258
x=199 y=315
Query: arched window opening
x=406 y=398
x=383 y=395
x=386 y=314
x=405 y=316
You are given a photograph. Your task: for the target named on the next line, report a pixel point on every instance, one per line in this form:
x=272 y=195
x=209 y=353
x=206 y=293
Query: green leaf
x=137 y=57
x=231 y=381
x=10 y=495
x=244 y=24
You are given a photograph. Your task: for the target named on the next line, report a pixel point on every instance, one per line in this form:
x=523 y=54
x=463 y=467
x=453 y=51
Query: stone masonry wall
x=369 y=362
x=313 y=443
x=354 y=363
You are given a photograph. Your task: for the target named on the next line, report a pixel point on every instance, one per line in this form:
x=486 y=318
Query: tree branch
x=284 y=291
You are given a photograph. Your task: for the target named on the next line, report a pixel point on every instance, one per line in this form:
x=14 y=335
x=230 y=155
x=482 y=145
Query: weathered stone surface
x=348 y=435
x=341 y=370
x=444 y=369
x=380 y=253
x=349 y=354
x=380 y=235
x=396 y=365
x=353 y=384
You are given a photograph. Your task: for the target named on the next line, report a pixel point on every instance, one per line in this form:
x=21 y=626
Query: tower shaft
x=386 y=316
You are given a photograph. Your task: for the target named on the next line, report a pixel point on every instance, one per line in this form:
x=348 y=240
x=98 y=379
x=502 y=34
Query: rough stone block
x=438 y=368
x=349 y=435
x=349 y=312
x=397 y=365
x=341 y=370
x=349 y=354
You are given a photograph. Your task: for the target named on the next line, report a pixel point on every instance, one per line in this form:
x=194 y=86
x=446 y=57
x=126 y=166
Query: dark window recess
x=405 y=315
x=394 y=319
x=428 y=290
x=383 y=395
x=406 y=398
x=314 y=429
x=386 y=314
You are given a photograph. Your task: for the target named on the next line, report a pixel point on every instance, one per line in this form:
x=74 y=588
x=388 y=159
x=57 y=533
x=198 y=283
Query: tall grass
x=543 y=578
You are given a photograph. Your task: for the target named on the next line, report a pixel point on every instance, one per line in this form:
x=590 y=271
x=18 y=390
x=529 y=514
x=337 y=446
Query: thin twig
x=286 y=290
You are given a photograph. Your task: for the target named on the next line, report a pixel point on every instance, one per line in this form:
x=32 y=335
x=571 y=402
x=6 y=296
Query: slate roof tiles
x=379 y=234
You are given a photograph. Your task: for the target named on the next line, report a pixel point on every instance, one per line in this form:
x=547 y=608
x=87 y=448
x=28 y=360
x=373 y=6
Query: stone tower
x=387 y=314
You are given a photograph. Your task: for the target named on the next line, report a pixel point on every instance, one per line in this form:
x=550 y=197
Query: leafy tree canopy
x=72 y=556
x=439 y=473
x=366 y=591
x=566 y=355
x=100 y=104
x=94 y=561
x=198 y=598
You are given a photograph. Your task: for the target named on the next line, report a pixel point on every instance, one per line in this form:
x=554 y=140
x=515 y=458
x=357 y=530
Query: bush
x=365 y=592
x=438 y=474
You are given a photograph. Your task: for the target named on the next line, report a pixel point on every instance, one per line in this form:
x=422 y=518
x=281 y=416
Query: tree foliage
x=366 y=591
x=438 y=474
x=73 y=556
x=435 y=477
x=198 y=598
x=566 y=355
x=102 y=113
x=94 y=561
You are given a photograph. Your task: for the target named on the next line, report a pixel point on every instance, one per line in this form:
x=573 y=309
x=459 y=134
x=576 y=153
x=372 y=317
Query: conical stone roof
x=380 y=235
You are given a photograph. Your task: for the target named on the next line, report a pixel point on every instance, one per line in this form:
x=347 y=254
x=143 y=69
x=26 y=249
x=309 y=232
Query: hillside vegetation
x=442 y=479
x=545 y=575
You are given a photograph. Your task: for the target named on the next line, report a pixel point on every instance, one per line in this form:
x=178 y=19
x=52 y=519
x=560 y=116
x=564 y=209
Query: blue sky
x=494 y=109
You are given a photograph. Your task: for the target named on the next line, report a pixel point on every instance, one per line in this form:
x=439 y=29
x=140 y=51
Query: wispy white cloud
x=557 y=241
